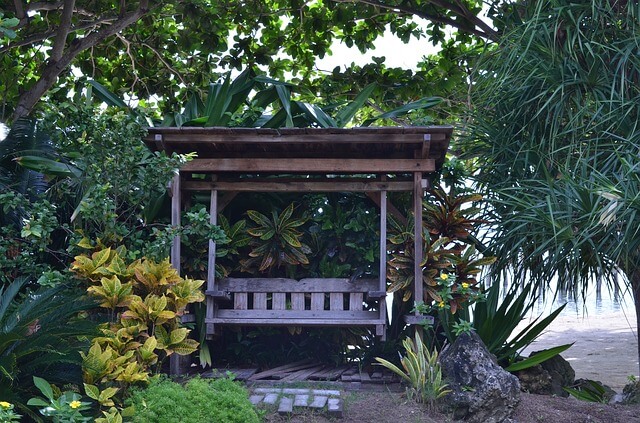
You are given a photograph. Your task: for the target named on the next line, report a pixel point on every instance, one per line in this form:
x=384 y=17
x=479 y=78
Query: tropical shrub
x=344 y=236
x=143 y=300
x=64 y=407
x=40 y=333
x=199 y=400
x=7 y=412
x=451 y=264
x=115 y=187
x=27 y=219
x=276 y=242
x=496 y=319
x=421 y=371
x=590 y=391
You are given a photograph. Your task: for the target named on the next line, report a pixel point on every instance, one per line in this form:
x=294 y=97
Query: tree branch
x=52 y=70
x=486 y=32
x=63 y=30
x=35 y=38
x=166 y=64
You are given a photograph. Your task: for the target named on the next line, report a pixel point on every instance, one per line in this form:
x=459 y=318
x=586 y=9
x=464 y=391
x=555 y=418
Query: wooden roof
x=315 y=150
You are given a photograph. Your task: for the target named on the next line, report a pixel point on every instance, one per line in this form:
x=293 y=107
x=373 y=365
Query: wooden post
x=417 y=233
x=174 y=360
x=380 y=329
x=175 y=220
x=211 y=263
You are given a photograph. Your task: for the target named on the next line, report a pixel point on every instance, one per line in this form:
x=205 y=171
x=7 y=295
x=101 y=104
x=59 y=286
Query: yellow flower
x=75 y=404
x=5 y=404
x=465 y=285
x=444 y=276
x=441 y=304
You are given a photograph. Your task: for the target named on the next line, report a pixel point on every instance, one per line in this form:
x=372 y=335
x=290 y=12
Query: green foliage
x=496 y=319
x=554 y=136
x=66 y=407
x=6 y=25
x=40 y=334
x=276 y=241
x=537 y=358
x=343 y=235
x=7 y=412
x=451 y=264
x=27 y=219
x=592 y=391
x=178 y=45
x=236 y=238
x=119 y=187
x=195 y=232
x=199 y=400
x=421 y=371
x=144 y=300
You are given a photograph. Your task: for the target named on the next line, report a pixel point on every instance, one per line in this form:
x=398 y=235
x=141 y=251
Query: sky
x=397 y=53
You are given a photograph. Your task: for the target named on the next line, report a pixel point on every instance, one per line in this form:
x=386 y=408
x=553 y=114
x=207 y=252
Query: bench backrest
x=338 y=294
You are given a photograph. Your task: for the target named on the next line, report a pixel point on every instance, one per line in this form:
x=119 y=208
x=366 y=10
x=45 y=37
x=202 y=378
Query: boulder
x=607 y=394
x=562 y=374
x=482 y=392
x=547 y=378
x=535 y=380
x=631 y=392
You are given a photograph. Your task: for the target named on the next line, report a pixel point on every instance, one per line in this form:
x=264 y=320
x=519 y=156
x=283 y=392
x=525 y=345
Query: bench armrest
x=219 y=295
x=376 y=295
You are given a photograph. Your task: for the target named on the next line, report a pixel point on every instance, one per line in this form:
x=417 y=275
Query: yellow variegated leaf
x=85 y=243
x=101 y=257
x=178 y=335
x=186 y=347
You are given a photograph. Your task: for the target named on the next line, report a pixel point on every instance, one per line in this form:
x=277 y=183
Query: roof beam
x=292 y=165
x=247 y=185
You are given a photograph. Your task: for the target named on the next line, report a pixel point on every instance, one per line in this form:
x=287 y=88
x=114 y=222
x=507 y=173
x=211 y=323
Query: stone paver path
x=290 y=399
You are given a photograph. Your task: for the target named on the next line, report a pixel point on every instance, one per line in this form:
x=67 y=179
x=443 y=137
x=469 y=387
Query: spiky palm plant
x=556 y=138
x=24 y=138
x=40 y=334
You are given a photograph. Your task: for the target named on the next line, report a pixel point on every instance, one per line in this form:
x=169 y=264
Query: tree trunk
x=65 y=54
x=634 y=279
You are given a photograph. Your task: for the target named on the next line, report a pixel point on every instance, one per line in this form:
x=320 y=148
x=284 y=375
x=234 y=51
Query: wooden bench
x=307 y=302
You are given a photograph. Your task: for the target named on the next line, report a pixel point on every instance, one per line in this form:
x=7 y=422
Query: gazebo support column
x=174 y=361
x=211 y=264
x=418 y=191
x=175 y=220
x=380 y=329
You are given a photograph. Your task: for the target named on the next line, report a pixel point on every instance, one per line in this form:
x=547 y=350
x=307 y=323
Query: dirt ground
x=605 y=349
x=392 y=407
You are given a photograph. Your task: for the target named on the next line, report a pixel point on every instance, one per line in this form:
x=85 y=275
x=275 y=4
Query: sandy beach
x=605 y=343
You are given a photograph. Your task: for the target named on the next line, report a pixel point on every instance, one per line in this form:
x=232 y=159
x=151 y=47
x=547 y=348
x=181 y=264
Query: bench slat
x=302 y=322
x=355 y=301
x=240 y=301
x=291 y=285
x=279 y=301
x=297 y=301
x=336 y=301
x=290 y=317
x=259 y=301
x=317 y=301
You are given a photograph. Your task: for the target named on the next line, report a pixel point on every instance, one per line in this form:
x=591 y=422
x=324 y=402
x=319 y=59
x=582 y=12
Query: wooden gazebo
x=370 y=160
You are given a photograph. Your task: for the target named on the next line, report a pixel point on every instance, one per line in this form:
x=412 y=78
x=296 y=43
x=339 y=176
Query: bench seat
x=314 y=302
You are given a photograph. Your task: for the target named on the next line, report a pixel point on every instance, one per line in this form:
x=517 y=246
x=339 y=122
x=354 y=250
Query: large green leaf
x=537 y=358
x=347 y=113
x=48 y=166
x=317 y=115
x=423 y=103
x=107 y=96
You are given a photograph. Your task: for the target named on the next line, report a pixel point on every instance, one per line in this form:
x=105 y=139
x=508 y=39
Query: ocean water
x=599 y=299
